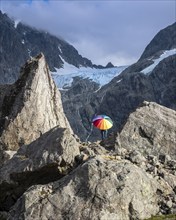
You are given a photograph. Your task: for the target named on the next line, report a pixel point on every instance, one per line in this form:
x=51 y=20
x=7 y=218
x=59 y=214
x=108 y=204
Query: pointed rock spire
x=31 y=107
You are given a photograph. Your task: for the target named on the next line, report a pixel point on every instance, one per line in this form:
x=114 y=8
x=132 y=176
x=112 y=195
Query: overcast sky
x=102 y=30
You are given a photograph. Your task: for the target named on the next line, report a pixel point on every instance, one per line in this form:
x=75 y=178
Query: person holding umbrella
x=102 y=122
x=104 y=134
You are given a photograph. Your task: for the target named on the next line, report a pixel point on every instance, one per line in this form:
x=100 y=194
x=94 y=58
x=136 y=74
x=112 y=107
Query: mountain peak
x=109 y=65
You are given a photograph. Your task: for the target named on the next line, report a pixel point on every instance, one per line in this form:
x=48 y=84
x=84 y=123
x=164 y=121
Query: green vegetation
x=163 y=217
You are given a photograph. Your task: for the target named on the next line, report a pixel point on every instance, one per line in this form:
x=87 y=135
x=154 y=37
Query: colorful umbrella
x=103 y=122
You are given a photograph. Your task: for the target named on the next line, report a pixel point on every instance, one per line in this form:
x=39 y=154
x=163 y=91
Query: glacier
x=63 y=77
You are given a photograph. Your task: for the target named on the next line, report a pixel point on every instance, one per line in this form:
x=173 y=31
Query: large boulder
x=31 y=107
x=44 y=160
x=151 y=129
x=98 y=189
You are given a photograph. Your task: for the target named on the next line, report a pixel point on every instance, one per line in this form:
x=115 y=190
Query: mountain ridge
x=22 y=41
x=165 y=39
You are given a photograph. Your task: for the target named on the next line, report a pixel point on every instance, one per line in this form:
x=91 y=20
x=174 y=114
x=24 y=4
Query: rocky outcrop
x=151 y=129
x=46 y=159
x=31 y=107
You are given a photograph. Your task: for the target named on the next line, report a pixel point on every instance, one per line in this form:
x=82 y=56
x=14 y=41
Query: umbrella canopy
x=102 y=122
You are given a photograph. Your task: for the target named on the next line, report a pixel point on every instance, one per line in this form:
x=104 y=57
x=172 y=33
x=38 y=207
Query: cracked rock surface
x=150 y=129
x=98 y=189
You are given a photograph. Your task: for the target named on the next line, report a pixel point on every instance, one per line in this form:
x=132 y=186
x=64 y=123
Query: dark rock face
x=12 y=52
x=164 y=40
x=20 y=43
x=30 y=107
x=75 y=100
x=163 y=79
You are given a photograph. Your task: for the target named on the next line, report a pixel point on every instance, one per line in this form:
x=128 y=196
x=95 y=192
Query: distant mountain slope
x=164 y=40
x=18 y=42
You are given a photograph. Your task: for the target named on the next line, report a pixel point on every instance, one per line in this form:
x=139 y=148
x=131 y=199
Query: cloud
x=103 y=31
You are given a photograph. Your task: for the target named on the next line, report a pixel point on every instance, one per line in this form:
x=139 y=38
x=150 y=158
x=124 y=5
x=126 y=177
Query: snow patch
x=165 y=54
x=60 y=50
x=22 y=42
x=16 y=22
x=119 y=80
x=97 y=89
x=29 y=52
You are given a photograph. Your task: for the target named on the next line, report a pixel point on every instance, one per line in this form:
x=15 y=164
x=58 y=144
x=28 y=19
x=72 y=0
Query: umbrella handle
x=89 y=132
